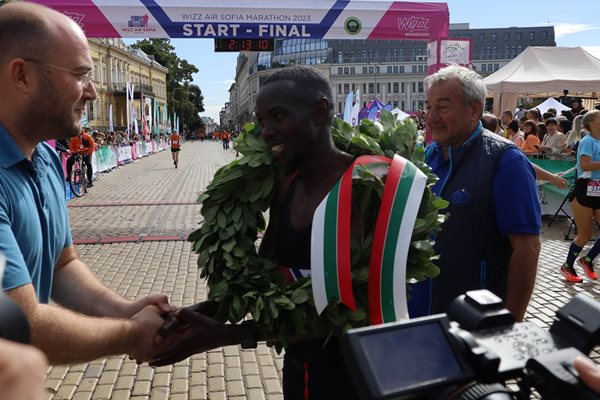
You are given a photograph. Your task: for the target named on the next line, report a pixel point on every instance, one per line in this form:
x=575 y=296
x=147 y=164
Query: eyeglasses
x=83 y=77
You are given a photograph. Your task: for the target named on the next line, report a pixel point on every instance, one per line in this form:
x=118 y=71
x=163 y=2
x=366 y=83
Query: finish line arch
x=266 y=19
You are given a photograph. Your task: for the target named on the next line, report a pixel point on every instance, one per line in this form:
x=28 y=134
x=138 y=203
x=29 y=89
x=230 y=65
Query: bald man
x=45 y=83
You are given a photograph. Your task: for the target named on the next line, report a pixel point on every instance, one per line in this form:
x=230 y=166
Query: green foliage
x=183 y=97
x=233 y=206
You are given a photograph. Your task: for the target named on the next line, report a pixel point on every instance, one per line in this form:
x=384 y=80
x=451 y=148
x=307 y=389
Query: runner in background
x=175 y=147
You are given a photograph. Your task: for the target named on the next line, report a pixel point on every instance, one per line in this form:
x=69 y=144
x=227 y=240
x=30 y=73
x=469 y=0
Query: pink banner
x=413 y=21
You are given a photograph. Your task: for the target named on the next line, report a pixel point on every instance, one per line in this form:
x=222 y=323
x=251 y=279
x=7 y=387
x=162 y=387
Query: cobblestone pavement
x=138 y=216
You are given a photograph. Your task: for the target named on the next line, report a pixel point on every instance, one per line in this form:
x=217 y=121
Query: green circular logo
x=352 y=25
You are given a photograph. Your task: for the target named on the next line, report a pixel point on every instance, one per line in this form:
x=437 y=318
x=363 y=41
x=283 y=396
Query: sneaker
x=90 y=184
x=570 y=274
x=588 y=268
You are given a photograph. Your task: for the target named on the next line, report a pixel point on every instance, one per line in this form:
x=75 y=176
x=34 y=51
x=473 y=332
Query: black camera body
x=13 y=322
x=470 y=351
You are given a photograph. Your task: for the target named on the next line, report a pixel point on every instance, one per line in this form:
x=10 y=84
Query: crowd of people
x=46 y=66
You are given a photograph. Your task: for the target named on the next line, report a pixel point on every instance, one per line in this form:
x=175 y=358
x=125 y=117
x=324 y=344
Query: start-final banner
x=245 y=19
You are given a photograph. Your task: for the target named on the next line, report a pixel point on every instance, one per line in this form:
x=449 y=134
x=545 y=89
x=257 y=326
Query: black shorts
x=580 y=193
x=173 y=150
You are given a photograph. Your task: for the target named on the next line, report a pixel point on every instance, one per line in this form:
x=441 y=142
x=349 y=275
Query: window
x=421 y=69
x=378 y=89
x=420 y=86
x=339 y=70
x=481 y=37
x=402 y=105
x=389 y=87
x=506 y=36
x=365 y=70
x=352 y=70
x=364 y=88
x=544 y=35
x=496 y=67
x=346 y=70
x=494 y=37
x=519 y=36
x=371 y=87
x=371 y=71
x=483 y=67
x=402 y=90
x=490 y=67
x=340 y=88
x=414 y=69
x=346 y=88
x=91 y=110
x=396 y=87
x=395 y=103
x=340 y=57
x=389 y=69
x=414 y=87
x=401 y=69
x=531 y=36
x=396 y=69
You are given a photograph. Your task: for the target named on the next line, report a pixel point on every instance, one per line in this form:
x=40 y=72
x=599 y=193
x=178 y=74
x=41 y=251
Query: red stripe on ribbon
x=381 y=228
x=344 y=220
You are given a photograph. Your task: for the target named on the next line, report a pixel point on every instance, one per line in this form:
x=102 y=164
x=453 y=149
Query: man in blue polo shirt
x=45 y=82
x=491 y=239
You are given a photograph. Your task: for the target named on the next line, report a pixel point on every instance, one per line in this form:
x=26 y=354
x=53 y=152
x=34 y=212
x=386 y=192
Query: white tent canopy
x=549 y=103
x=544 y=72
x=400 y=115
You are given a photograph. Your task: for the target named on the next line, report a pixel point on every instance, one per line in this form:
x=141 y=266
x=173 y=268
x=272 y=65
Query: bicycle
x=78 y=177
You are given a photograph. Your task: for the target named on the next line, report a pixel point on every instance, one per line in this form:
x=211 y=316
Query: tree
x=183 y=97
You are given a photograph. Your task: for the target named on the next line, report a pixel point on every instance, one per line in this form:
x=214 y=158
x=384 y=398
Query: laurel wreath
x=233 y=208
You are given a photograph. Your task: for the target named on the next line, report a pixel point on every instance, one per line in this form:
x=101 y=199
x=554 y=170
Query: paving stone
x=151 y=199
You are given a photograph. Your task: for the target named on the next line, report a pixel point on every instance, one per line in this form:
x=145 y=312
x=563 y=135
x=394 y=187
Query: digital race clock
x=222 y=45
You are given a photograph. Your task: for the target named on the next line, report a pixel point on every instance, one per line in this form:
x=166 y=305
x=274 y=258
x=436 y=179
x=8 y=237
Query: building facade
x=390 y=70
x=115 y=64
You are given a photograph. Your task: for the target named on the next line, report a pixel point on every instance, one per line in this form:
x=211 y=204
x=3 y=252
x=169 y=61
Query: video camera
x=469 y=352
x=13 y=323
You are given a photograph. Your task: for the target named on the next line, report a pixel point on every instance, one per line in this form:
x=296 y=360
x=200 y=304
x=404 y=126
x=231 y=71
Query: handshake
x=164 y=335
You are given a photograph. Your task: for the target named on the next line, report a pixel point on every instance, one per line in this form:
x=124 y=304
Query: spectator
x=46 y=66
x=585 y=202
x=532 y=142
x=554 y=141
x=575 y=134
x=541 y=131
x=484 y=244
x=564 y=125
x=576 y=106
x=491 y=123
x=520 y=112
x=534 y=115
x=547 y=115
x=514 y=133
x=505 y=119
x=568 y=114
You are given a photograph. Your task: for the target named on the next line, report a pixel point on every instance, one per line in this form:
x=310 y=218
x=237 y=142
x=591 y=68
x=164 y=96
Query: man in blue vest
x=491 y=239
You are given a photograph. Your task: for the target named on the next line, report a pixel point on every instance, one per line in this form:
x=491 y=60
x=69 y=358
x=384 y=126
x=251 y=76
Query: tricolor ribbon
x=400 y=203
x=330 y=240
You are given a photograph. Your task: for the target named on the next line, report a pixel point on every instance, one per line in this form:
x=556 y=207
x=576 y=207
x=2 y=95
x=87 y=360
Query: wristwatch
x=247 y=335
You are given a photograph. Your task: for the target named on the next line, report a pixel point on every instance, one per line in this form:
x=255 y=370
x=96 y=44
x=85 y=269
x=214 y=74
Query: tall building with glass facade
x=390 y=70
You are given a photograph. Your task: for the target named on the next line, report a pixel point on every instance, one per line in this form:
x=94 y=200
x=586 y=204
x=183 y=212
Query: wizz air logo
x=78 y=18
x=413 y=24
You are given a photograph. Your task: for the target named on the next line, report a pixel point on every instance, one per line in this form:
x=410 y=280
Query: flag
x=355 y=110
x=348 y=107
x=111 y=127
